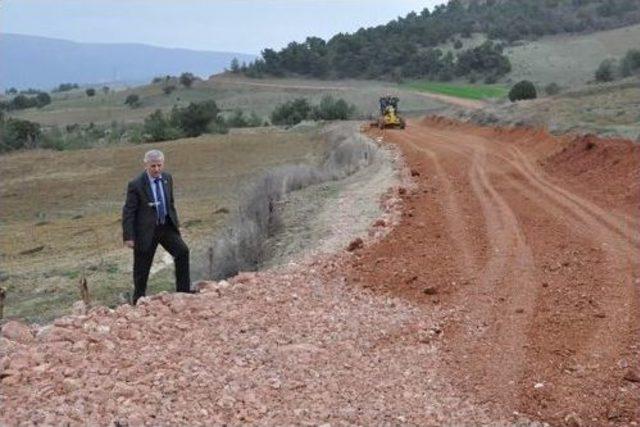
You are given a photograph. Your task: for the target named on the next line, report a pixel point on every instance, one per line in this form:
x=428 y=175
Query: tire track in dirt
x=451 y=207
x=554 y=302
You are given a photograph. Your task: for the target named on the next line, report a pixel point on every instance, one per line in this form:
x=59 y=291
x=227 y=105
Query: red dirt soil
x=507 y=291
x=531 y=241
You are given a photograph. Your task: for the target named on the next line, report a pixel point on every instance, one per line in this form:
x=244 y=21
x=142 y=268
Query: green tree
x=291 y=112
x=235 y=66
x=187 y=79
x=132 y=100
x=90 y=92
x=42 y=99
x=606 y=71
x=159 y=128
x=523 y=90
x=630 y=64
x=16 y=134
x=195 y=119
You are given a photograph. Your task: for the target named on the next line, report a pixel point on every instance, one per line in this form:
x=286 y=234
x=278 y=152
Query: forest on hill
x=408 y=47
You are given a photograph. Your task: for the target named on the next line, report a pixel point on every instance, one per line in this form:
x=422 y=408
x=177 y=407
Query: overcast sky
x=223 y=25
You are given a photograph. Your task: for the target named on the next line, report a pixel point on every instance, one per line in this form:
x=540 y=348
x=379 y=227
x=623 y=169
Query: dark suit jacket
x=139 y=212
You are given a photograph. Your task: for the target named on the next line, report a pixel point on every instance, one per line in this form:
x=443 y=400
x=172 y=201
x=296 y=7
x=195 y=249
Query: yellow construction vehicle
x=389 y=117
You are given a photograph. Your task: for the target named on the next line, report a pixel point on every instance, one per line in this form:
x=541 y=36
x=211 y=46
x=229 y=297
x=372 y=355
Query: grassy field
x=60 y=212
x=230 y=92
x=611 y=109
x=466 y=91
x=569 y=60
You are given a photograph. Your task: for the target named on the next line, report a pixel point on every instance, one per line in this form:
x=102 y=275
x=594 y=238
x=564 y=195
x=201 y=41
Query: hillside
x=569 y=60
x=44 y=63
x=407 y=47
x=229 y=91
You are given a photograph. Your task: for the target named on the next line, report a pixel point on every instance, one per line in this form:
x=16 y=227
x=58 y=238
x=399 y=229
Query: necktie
x=161 y=209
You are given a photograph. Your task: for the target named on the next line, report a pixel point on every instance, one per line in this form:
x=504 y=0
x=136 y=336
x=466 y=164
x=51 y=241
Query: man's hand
x=129 y=244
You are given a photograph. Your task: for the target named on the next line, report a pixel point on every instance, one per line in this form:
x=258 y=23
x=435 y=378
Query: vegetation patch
x=459 y=91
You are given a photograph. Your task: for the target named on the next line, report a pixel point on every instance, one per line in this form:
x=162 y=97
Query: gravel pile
x=294 y=346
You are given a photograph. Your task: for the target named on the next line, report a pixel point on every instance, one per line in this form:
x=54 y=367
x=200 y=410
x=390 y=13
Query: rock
x=18 y=332
x=430 y=290
x=402 y=191
x=632 y=375
x=380 y=223
x=519 y=310
x=355 y=244
x=573 y=420
x=415 y=172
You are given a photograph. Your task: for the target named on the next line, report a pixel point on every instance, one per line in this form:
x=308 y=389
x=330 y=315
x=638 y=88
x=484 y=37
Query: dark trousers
x=167 y=236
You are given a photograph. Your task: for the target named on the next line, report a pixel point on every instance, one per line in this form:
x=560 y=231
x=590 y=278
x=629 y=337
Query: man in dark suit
x=149 y=218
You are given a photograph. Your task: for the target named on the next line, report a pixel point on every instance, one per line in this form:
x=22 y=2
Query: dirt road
x=532 y=243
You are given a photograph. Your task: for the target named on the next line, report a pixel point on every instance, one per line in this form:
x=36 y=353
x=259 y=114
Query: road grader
x=389 y=117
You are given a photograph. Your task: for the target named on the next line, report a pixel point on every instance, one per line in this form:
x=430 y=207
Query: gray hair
x=153 y=156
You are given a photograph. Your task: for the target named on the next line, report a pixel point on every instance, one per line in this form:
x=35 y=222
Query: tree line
x=407 y=47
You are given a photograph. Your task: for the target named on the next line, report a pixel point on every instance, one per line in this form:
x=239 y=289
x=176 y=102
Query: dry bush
x=241 y=246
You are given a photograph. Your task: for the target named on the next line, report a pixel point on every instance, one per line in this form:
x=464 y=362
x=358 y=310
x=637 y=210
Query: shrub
x=105 y=89
x=523 y=90
x=90 y=92
x=491 y=79
x=606 y=71
x=630 y=64
x=159 y=128
x=42 y=99
x=332 y=109
x=22 y=102
x=132 y=100
x=16 y=134
x=291 y=112
x=196 y=118
x=65 y=87
x=239 y=120
x=457 y=44
x=552 y=89
x=187 y=79
x=168 y=89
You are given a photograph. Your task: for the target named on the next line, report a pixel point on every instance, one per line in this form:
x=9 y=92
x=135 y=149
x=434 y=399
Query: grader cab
x=389 y=117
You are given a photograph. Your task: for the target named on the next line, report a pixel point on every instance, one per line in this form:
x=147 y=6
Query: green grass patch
x=459 y=90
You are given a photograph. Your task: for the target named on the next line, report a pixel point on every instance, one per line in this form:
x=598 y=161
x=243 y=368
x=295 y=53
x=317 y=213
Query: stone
x=355 y=244
x=18 y=332
x=430 y=290
x=632 y=376
x=573 y=420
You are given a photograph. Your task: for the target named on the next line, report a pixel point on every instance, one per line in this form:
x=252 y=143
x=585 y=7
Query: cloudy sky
x=224 y=25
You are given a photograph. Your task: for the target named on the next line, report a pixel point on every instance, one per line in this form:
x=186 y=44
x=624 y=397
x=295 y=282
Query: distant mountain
x=44 y=63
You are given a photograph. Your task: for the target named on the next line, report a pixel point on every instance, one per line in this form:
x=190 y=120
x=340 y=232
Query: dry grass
x=257 y=95
x=569 y=60
x=607 y=109
x=60 y=213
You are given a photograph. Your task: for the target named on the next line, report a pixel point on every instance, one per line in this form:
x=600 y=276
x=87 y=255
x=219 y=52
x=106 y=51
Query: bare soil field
x=60 y=213
x=504 y=289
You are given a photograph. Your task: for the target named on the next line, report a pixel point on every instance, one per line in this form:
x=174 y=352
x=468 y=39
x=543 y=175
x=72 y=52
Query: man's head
x=154 y=162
